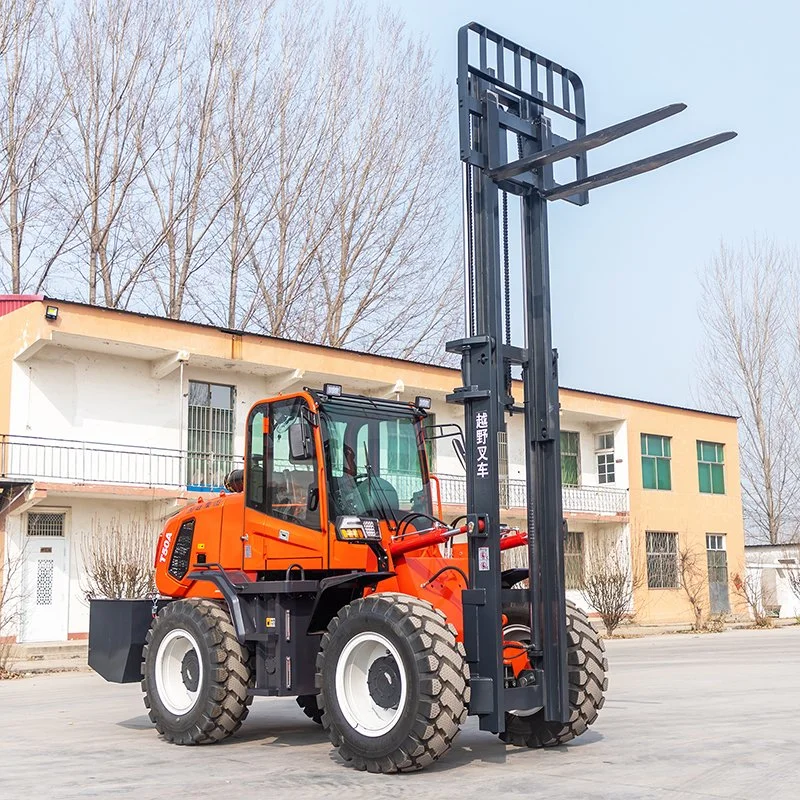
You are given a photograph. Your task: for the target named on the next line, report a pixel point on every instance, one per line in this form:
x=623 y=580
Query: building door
x=717 y=573
x=45 y=591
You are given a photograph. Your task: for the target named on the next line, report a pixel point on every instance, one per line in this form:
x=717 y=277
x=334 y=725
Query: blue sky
x=625 y=268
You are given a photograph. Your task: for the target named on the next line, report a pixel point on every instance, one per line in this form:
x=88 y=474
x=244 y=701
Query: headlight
x=355 y=529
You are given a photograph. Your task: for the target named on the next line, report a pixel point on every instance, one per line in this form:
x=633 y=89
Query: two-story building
x=111 y=419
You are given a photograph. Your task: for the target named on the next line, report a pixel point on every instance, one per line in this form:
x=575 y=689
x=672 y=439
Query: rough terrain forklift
x=326 y=572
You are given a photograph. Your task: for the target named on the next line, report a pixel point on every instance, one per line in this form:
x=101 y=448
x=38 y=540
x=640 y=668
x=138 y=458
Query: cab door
x=284 y=494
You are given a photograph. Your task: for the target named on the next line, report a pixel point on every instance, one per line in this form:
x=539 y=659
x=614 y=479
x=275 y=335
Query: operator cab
x=320 y=456
x=375 y=460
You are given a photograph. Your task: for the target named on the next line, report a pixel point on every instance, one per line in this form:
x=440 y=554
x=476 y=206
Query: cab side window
x=256 y=437
x=292 y=490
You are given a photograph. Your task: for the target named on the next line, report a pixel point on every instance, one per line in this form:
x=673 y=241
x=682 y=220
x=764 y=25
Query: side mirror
x=301 y=445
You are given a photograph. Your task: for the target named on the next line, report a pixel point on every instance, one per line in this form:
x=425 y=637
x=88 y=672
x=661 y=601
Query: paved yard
x=686 y=717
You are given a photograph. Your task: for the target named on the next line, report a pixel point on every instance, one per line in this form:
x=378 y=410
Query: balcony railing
x=601 y=500
x=71 y=461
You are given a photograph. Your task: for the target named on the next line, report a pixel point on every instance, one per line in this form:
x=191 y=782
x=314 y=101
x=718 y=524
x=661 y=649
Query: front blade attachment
x=648 y=164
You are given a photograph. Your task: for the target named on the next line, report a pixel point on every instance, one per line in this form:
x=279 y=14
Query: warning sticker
x=483 y=559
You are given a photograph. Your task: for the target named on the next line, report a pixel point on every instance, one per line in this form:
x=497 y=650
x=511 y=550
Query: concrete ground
x=686 y=717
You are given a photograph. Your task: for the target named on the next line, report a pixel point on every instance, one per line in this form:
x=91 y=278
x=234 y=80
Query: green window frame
x=656 y=462
x=570 y=457
x=711 y=467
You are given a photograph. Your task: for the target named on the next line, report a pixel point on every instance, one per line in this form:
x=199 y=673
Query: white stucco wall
x=84 y=518
x=768 y=570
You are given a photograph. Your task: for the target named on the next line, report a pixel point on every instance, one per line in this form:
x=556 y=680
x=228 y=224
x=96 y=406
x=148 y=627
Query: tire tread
x=443 y=684
x=227 y=702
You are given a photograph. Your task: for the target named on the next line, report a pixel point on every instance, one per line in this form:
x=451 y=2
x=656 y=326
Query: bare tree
x=392 y=261
x=285 y=168
x=610 y=583
x=118 y=559
x=694 y=582
x=11 y=594
x=749 y=588
x=13 y=16
x=29 y=111
x=793 y=578
x=181 y=161
x=748 y=370
x=244 y=141
x=360 y=250
x=110 y=55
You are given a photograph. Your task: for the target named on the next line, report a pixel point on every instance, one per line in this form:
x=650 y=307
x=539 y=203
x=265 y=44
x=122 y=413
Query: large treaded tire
x=587 y=685
x=308 y=702
x=435 y=673
x=222 y=701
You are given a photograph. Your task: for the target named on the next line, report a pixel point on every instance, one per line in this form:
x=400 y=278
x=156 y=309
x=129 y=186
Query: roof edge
x=239 y=332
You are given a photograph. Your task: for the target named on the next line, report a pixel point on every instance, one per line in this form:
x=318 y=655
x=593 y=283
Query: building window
x=45 y=524
x=715 y=541
x=656 y=455
x=604 y=448
x=210 y=434
x=574 y=560
x=570 y=457
x=662 y=560
x=711 y=467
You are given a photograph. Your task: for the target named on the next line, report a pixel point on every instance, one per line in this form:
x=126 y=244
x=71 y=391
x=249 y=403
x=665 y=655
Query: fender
x=230 y=591
x=338 y=591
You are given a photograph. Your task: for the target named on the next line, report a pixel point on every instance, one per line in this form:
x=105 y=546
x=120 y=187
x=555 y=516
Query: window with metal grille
x=656 y=457
x=604 y=448
x=210 y=433
x=574 y=562
x=711 y=467
x=662 y=560
x=570 y=457
x=45 y=524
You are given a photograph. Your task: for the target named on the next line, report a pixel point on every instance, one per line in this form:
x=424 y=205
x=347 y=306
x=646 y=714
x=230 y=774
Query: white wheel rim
x=521 y=634
x=177 y=697
x=361 y=710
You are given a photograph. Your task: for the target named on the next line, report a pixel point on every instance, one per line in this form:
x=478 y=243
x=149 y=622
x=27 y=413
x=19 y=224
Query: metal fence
x=575 y=499
x=71 y=461
x=98 y=462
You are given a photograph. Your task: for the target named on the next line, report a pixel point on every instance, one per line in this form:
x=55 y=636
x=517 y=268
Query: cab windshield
x=374 y=460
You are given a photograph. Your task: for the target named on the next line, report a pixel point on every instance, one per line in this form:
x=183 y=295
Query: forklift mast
x=511 y=103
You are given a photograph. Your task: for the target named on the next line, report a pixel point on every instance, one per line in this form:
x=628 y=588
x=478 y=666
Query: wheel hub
x=190 y=671
x=383 y=681
x=371 y=684
x=178 y=671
